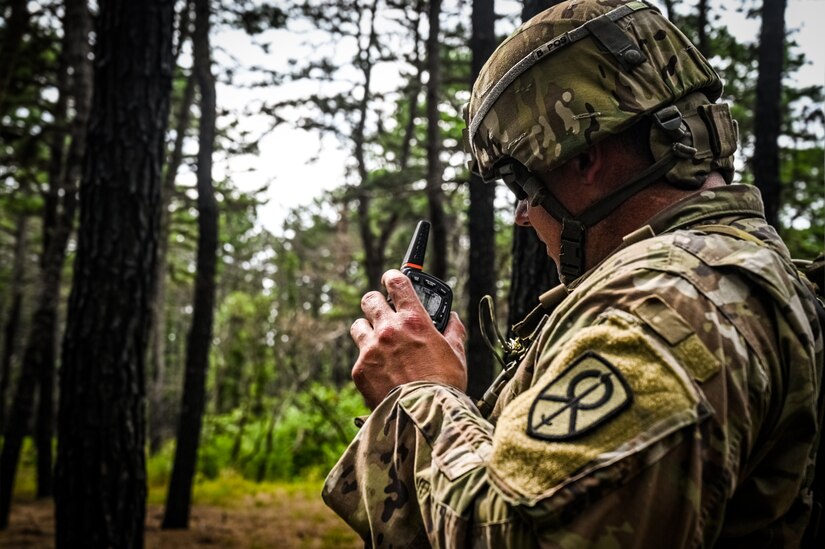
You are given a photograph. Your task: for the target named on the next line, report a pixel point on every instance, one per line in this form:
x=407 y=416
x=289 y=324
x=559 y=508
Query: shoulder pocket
x=685 y=344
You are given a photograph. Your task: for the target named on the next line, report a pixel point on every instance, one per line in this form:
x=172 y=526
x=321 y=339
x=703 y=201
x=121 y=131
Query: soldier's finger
x=359 y=330
x=455 y=332
x=401 y=291
x=374 y=306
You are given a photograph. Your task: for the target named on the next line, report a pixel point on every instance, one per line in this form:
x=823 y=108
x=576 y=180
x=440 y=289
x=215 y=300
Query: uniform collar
x=707 y=205
x=698 y=208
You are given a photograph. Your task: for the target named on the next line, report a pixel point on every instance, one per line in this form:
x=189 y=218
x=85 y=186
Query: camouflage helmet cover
x=553 y=88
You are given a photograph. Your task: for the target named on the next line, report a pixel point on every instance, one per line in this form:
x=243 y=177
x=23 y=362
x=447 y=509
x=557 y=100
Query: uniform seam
x=716 y=307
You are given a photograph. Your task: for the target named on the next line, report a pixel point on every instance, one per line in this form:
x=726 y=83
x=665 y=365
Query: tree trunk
x=269 y=443
x=158 y=418
x=16 y=428
x=18 y=424
x=373 y=260
x=15 y=313
x=670 y=11
x=531 y=8
x=702 y=28
x=235 y=454
x=39 y=348
x=533 y=270
x=157 y=358
x=200 y=334
x=768 y=111
x=15 y=28
x=78 y=27
x=481 y=221
x=435 y=196
x=533 y=273
x=414 y=89
x=373 y=252
x=101 y=470
x=39 y=359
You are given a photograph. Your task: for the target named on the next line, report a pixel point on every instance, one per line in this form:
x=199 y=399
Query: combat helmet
x=583 y=70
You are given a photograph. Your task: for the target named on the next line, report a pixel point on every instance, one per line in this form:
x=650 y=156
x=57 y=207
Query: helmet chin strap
x=573 y=228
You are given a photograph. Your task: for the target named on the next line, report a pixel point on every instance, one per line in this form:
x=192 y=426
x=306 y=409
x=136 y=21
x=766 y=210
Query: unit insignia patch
x=586 y=394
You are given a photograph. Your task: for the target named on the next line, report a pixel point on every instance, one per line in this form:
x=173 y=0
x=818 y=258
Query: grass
x=227 y=511
x=230 y=489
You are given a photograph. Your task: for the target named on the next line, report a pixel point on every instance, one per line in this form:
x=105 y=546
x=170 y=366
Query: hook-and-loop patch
x=585 y=395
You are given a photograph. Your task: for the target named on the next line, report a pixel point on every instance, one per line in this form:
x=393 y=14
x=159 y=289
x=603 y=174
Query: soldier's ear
x=591 y=163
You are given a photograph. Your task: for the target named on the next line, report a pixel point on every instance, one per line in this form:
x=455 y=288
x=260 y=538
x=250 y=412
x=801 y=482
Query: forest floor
x=280 y=515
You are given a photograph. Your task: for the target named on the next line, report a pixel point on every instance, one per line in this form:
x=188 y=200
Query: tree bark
x=200 y=334
x=101 y=470
x=39 y=348
x=702 y=28
x=531 y=8
x=15 y=28
x=533 y=270
x=481 y=221
x=11 y=331
x=39 y=358
x=414 y=89
x=78 y=27
x=41 y=352
x=670 y=11
x=373 y=251
x=157 y=359
x=435 y=196
x=20 y=412
x=157 y=417
x=768 y=110
x=17 y=427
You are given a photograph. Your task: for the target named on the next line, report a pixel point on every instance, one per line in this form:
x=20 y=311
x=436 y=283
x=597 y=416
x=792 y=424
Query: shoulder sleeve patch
x=609 y=392
x=586 y=394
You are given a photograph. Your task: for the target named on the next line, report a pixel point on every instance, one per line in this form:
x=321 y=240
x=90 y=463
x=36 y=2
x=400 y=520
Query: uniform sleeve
x=415 y=470
x=606 y=447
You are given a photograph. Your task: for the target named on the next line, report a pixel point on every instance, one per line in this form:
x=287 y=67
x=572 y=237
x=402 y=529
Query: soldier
x=669 y=396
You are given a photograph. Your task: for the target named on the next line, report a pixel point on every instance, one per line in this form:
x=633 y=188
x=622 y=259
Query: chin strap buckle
x=670 y=120
x=572 y=250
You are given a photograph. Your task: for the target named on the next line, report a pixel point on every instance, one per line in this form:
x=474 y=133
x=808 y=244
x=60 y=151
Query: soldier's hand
x=402 y=345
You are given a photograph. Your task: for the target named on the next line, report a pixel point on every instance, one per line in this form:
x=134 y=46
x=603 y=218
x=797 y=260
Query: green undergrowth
x=298 y=439
x=230 y=489
x=244 y=459
x=227 y=489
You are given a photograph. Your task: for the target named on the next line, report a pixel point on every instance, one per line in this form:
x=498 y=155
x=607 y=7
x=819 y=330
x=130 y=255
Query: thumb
x=455 y=332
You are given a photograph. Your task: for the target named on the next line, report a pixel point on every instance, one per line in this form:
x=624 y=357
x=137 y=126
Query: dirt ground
x=282 y=520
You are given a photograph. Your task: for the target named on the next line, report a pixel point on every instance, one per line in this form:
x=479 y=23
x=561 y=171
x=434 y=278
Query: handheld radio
x=434 y=293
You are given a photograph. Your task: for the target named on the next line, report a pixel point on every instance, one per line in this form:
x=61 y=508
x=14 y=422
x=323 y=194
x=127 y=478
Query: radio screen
x=429 y=298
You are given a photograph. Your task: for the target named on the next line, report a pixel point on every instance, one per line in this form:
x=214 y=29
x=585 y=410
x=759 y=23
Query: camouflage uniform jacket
x=669 y=401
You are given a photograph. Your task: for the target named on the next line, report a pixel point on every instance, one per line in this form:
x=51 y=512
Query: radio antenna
x=414 y=258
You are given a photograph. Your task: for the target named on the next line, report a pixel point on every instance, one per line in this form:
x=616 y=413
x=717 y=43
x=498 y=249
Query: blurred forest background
x=156 y=331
